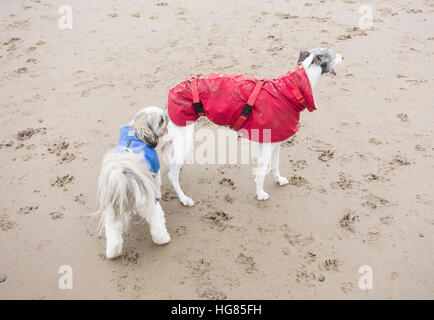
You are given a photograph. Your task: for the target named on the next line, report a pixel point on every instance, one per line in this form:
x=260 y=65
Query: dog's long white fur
x=268 y=158
x=126 y=188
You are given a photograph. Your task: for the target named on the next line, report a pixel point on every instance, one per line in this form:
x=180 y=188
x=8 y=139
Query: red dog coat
x=275 y=104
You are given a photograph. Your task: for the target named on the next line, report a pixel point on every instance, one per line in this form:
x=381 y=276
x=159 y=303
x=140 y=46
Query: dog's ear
x=162 y=121
x=319 y=59
x=145 y=129
x=303 y=55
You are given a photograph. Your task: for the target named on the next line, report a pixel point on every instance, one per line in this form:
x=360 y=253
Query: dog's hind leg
x=182 y=139
x=264 y=159
x=275 y=164
x=113 y=232
x=157 y=225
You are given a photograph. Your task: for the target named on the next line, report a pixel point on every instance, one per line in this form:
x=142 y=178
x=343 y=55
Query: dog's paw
x=282 y=181
x=113 y=249
x=263 y=196
x=187 y=201
x=161 y=238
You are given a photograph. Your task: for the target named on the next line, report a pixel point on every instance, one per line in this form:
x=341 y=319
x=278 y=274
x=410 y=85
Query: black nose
x=342 y=57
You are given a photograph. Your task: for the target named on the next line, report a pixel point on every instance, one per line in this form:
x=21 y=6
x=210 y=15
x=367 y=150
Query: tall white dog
x=129 y=181
x=314 y=62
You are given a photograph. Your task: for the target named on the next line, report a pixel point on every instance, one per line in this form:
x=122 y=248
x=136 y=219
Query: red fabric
x=277 y=106
x=250 y=104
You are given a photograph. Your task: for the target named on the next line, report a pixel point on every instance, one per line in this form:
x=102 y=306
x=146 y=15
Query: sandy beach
x=361 y=167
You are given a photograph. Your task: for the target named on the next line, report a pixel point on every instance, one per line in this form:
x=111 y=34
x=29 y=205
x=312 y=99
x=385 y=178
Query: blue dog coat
x=127 y=139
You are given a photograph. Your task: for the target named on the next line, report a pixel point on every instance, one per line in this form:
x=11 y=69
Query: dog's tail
x=125 y=187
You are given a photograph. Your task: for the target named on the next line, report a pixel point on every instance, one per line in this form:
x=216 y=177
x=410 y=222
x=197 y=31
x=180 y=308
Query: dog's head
x=150 y=125
x=327 y=59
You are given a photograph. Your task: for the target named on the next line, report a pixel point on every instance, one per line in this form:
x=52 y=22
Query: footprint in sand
x=413 y=11
x=56 y=215
x=168 y=195
x=6 y=144
x=299 y=164
x=27 y=209
x=352 y=32
x=403 y=117
x=374 y=202
x=80 y=199
x=347 y=287
x=285 y=16
x=246 y=262
x=307 y=277
x=344 y=182
x=130 y=257
x=349 y=220
x=330 y=265
x=228 y=182
x=325 y=155
x=373 y=177
x=67 y=157
x=11 y=41
x=206 y=290
x=22 y=70
x=217 y=219
x=228 y=198
x=310 y=257
x=400 y=160
x=63 y=181
x=181 y=230
x=298 y=181
x=29 y=132
x=387 y=220
x=58 y=147
x=6 y=224
x=385 y=12
x=375 y=141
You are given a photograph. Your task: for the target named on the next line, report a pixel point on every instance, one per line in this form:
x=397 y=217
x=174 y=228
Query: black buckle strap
x=198 y=107
x=246 y=111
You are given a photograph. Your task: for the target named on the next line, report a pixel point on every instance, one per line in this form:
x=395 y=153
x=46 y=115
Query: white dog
x=277 y=100
x=129 y=181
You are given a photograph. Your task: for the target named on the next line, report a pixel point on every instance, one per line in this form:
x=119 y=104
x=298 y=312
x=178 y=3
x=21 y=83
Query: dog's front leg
x=157 y=225
x=275 y=165
x=264 y=159
x=113 y=232
x=182 y=139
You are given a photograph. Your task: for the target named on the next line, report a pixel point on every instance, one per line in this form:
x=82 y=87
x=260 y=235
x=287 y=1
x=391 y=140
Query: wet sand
x=360 y=168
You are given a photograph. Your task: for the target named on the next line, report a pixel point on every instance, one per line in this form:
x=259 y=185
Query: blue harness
x=127 y=139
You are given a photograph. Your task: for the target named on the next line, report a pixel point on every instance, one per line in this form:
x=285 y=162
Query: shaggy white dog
x=129 y=181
